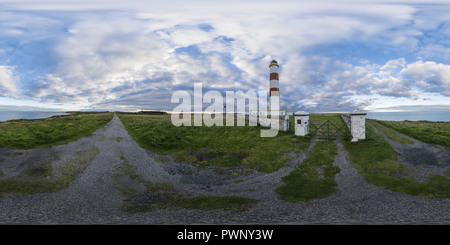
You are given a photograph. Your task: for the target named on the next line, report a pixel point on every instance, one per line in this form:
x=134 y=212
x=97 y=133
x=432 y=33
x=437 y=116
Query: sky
x=133 y=55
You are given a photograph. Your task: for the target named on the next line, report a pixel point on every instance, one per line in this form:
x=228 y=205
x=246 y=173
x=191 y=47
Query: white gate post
x=358 y=125
x=301 y=122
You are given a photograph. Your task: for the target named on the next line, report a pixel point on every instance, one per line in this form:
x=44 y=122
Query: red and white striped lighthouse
x=274 y=91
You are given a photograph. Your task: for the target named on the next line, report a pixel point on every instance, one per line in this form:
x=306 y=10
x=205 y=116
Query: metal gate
x=327 y=130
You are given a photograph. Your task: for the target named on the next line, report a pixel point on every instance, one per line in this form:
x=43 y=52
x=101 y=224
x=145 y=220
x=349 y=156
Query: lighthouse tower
x=274 y=91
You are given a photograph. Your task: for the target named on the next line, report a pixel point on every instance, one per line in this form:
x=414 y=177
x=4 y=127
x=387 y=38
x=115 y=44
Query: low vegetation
x=336 y=120
x=142 y=195
x=213 y=146
x=67 y=172
x=174 y=202
x=314 y=178
x=129 y=182
x=27 y=134
x=378 y=162
x=390 y=133
x=45 y=178
x=425 y=131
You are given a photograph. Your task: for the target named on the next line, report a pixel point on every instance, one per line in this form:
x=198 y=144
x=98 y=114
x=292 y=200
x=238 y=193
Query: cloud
x=429 y=76
x=107 y=52
x=99 y=55
x=7 y=81
x=323 y=84
x=434 y=51
x=143 y=100
x=25 y=27
x=391 y=66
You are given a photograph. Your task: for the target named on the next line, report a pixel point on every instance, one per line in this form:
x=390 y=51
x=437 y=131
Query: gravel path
x=92 y=197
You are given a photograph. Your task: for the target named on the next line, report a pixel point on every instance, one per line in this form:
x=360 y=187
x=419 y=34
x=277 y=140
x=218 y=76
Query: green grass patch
x=174 y=202
x=40 y=172
x=213 y=146
x=44 y=179
x=131 y=183
x=425 y=131
x=21 y=186
x=390 y=133
x=336 y=120
x=314 y=178
x=27 y=134
x=73 y=167
x=376 y=160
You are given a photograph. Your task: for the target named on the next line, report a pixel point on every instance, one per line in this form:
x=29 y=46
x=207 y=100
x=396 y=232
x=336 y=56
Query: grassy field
x=27 y=134
x=318 y=120
x=314 y=178
x=390 y=133
x=376 y=160
x=213 y=146
x=425 y=131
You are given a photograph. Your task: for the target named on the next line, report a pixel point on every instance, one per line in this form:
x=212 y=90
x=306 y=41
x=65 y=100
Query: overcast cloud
x=132 y=55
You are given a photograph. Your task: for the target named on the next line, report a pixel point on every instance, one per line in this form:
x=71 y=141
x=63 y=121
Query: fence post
x=358 y=125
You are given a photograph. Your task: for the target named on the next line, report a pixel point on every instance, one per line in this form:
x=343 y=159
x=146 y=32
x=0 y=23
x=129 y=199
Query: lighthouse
x=274 y=89
x=273 y=117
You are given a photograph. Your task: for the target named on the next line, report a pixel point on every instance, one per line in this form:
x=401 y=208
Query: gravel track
x=92 y=197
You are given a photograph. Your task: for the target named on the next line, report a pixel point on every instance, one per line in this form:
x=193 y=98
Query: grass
x=73 y=167
x=226 y=146
x=131 y=184
x=27 y=134
x=376 y=160
x=230 y=203
x=45 y=179
x=314 y=178
x=390 y=133
x=425 y=131
x=336 y=120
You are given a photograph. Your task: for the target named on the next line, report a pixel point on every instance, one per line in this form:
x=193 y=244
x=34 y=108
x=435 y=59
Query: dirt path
x=92 y=196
